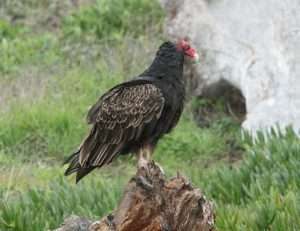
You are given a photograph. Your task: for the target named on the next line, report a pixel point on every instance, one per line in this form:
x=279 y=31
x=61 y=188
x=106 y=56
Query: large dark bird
x=132 y=116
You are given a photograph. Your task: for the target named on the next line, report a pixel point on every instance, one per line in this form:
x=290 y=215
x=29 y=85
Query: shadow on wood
x=152 y=203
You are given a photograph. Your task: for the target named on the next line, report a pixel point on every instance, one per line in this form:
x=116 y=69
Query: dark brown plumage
x=132 y=116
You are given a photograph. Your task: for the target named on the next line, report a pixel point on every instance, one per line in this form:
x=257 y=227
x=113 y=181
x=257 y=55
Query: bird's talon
x=144 y=183
x=143 y=164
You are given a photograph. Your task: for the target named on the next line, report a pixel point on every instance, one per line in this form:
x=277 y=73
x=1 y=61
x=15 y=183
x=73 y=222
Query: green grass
x=253 y=186
x=24 y=51
x=44 y=208
x=112 y=19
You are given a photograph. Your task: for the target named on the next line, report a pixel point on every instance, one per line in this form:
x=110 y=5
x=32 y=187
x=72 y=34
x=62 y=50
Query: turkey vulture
x=132 y=116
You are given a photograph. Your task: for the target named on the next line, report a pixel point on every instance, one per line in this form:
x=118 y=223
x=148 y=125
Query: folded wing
x=119 y=117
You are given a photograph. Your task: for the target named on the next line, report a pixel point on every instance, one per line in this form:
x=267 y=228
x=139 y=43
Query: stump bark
x=153 y=203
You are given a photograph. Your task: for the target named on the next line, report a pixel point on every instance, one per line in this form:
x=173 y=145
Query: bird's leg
x=142 y=161
x=148 y=152
x=144 y=156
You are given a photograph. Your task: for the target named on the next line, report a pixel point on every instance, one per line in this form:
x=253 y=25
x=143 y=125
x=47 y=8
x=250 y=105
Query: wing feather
x=119 y=117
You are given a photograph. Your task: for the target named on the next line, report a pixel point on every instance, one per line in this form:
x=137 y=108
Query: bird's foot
x=144 y=183
x=143 y=163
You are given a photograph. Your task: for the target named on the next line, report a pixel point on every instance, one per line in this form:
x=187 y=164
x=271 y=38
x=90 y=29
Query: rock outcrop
x=251 y=44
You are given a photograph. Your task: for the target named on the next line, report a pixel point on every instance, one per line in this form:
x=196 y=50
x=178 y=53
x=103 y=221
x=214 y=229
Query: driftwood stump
x=152 y=203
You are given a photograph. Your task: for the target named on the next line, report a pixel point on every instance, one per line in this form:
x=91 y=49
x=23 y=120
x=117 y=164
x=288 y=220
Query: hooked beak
x=195 y=58
x=192 y=54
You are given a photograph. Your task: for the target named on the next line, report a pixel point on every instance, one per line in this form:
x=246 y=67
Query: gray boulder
x=254 y=45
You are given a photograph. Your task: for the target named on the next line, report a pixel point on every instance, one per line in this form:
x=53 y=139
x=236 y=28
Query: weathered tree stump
x=152 y=203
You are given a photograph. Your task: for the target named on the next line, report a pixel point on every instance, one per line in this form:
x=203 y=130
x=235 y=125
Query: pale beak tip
x=196 y=58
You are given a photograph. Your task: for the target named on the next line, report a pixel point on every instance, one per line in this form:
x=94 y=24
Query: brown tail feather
x=83 y=172
x=74 y=163
x=93 y=153
x=76 y=167
x=77 y=161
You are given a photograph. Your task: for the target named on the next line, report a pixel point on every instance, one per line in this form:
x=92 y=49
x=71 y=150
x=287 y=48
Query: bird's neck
x=166 y=66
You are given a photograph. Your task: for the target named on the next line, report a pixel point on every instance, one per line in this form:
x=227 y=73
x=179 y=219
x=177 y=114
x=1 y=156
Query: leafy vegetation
x=112 y=19
x=263 y=192
x=49 y=79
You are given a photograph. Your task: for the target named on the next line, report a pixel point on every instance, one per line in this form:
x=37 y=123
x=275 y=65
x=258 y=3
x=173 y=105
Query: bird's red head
x=184 y=46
